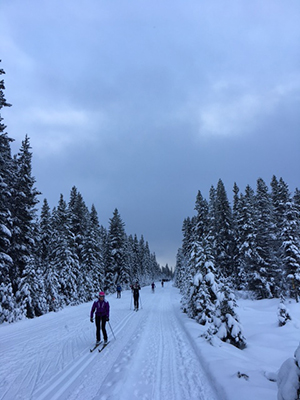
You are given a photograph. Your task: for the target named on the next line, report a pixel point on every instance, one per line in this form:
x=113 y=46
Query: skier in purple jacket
x=101 y=309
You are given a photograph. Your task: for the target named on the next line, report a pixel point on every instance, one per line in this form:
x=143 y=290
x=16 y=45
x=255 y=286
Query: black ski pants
x=100 y=322
x=136 y=301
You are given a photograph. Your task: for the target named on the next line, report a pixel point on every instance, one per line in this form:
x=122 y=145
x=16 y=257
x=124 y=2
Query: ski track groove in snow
x=152 y=357
x=61 y=382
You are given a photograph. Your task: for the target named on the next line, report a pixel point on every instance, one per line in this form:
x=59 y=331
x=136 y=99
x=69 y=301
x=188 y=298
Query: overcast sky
x=140 y=104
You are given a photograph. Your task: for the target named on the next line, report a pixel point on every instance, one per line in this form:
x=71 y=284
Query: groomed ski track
x=152 y=358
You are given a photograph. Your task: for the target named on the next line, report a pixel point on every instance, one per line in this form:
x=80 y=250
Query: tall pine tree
x=116 y=248
x=224 y=234
x=23 y=243
x=7 y=300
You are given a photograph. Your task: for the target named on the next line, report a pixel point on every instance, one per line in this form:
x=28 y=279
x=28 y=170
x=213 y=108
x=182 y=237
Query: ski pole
x=111 y=330
x=141 y=302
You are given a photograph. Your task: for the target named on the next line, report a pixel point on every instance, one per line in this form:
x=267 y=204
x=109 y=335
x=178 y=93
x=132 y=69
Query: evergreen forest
x=50 y=259
x=251 y=248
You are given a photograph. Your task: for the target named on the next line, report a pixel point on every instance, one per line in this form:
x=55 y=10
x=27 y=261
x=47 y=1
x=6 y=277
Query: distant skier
x=101 y=309
x=136 y=294
x=119 y=290
x=162 y=283
x=153 y=287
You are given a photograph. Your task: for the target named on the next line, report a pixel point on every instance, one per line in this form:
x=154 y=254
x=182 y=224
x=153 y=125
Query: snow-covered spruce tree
x=7 y=299
x=265 y=267
x=7 y=303
x=187 y=246
x=245 y=239
x=156 y=271
x=197 y=298
x=146 y=262
x=64 y=261
x=92 y=267
x=105 y=254
x=79 y=220
x=79 y=215
x=280 y=197
x=43 y=252
x=150 y=267
x=220 y=230
x=200 y=299
x=140 y=258
x=236 y=202
x=291 y=249
x=115 y=270
x=45 y=243
x=188 y=304
x=86 y=287
x=278 y=207
x=283 y=313
x=224 y=235
x=142 y=264
x=135 y=257
x=280 y=194
x=196 y=254
x=31 y=296
x=55 y=300
x=24 y=201
x=226 y=321
x=296 y=200
x=132 y=256
x=212 y=217
x=240 y=281
x=187 y=232
x=214 y=304
x=124 y=272
x=179 y=269
x=200 y=226
x=45 y=236
x=236 y=217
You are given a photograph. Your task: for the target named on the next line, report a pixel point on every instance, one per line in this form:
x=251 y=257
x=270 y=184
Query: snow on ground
x=158 y=353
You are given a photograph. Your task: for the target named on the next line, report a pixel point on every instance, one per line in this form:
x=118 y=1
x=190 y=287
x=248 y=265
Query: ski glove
x=92 y=320
x=107 y=318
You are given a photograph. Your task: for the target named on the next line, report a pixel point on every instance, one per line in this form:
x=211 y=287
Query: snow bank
x=288 y=378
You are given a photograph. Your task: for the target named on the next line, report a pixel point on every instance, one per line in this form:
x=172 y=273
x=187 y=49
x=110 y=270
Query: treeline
x=63 y=256
x=252 y=246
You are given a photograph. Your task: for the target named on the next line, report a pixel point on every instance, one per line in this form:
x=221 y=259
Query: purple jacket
x=101 y=308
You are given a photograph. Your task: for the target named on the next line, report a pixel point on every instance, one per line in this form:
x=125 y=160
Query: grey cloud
x=140 y=105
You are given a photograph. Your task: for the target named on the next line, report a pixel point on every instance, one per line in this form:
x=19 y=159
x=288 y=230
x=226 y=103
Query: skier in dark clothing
x=119 y=290
x=101 y=309
x=153 y=287
x=135 y=290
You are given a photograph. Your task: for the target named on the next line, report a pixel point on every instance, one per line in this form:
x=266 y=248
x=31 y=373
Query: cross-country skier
x=135 y=290
x=119 y=290
x=153 y=287
x=101 y=309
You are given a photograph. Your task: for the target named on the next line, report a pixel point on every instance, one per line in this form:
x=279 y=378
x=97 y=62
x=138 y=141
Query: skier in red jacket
x=101 y=309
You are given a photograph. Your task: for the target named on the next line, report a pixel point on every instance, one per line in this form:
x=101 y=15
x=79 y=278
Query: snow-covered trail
x=152 y=357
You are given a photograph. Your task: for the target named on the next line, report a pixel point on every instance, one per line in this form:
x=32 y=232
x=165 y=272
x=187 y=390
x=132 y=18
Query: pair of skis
x=101 y=348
